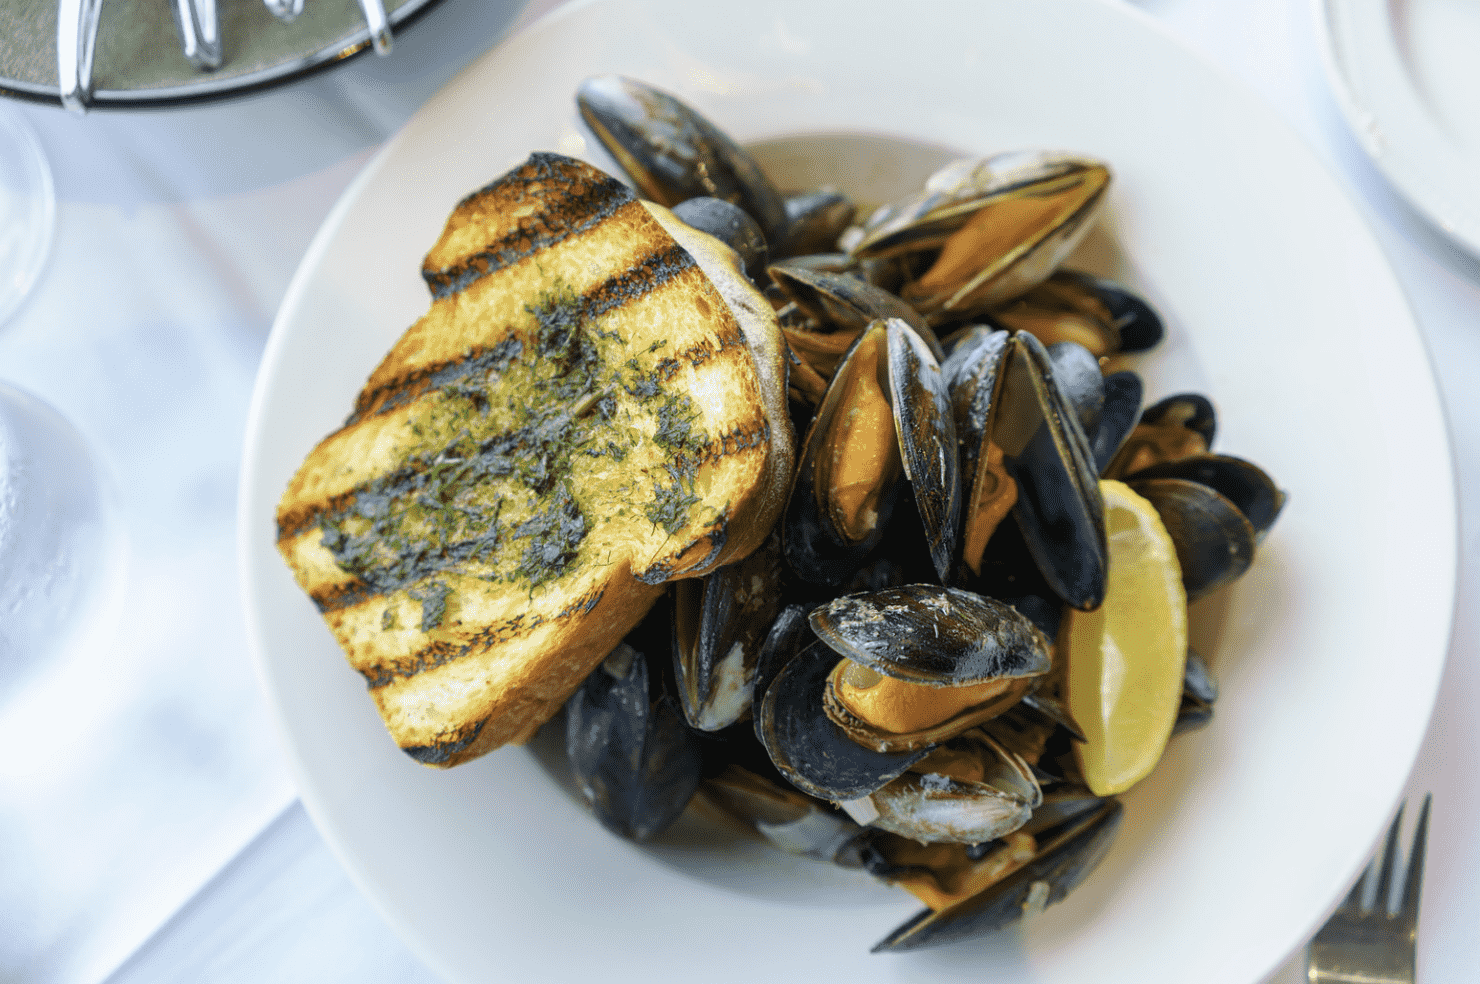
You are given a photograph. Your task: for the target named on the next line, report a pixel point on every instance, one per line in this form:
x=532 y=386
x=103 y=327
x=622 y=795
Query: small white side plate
x=1406 y=74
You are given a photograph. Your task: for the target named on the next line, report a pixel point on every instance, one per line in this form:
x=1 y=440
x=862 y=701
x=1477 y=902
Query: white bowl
x=1279 y=306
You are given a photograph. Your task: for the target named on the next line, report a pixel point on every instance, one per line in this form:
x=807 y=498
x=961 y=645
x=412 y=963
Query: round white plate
x=1407 y=78
x=1279 y=306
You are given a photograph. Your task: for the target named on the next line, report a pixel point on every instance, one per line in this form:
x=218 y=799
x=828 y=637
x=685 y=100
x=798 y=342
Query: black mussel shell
x=1192 y=715
x=672 y=153
x=1078 y=372
x=1122 y=408
x=1019 y=404
x=1241 y=482
x=1198 y=679
x=731 y=225
x=1175 y=427
x=1137 y=322
x=812 y=752
x=636 y=763
x=909 y=380
x=787 y=636
x=1213 y=539
x=719 y=624
x=843 y=302
x=815 y=221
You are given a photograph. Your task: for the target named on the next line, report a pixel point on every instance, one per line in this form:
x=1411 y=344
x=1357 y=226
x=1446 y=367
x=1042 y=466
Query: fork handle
x=379 y=25
x=77 y=30
x=200 y=32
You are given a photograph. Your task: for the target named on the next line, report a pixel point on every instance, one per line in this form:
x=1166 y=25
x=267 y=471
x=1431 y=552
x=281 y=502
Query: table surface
x=163 y=841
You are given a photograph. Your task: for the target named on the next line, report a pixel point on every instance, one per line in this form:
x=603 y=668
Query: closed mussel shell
x=731 y=225
x=672 y=153
x=1213 y=539
x=634 y=760
x=1066 y=855
x=813 y=753
x=815 y=221
x=1241 y=482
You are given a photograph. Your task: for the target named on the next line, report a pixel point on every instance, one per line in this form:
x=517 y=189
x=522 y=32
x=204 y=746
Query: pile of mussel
x=878 y=686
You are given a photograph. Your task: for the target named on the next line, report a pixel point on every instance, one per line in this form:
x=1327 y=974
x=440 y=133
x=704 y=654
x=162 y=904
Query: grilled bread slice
x=593 y=405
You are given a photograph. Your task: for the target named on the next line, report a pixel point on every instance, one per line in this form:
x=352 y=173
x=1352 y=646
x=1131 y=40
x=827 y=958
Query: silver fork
x=1371 y=944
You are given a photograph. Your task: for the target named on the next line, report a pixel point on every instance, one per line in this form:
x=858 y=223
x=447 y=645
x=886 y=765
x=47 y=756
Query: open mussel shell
x=793 y=822
x=1136 y=322
x=1008 y=396
x=719 y=626
x=1214 y=541
x=1071 y=305
x=967 y=791
x=1174 y=427
x=807 y=748
x=886 y=415
x=976 y=656
x=1064 y=308
x=636 y=763
x=843 y=303
x=672 y=153
x=1000 y=224
x=1241 y=482
x=932 y=635
x=789 y=633
x=1066 y=855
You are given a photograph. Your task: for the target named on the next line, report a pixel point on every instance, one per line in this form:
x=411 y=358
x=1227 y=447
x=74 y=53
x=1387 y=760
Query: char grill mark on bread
x=581 y=200
x=578 y=417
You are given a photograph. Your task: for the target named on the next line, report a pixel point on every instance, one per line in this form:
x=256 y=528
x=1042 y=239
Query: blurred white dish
x=1407 y=79
x=1279 y=305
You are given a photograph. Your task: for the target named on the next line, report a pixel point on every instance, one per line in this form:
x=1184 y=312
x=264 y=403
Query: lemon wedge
x=1126 y=659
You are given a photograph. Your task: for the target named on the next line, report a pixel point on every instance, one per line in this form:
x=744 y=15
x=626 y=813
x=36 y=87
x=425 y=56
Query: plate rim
x=368 y=886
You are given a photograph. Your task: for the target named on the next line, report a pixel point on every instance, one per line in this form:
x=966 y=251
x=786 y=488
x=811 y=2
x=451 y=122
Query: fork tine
x=1413 y=880
x=1389 y=859
x=1352 y=904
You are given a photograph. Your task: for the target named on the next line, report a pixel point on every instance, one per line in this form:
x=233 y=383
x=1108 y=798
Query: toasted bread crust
x=578 y=418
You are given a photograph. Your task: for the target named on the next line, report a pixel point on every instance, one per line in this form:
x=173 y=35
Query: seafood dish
x=856 y=529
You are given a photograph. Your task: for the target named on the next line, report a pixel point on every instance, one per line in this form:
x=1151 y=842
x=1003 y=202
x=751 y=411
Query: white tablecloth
x=154 y=836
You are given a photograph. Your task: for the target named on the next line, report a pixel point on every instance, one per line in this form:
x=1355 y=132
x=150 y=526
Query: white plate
x=1279 y=305
x=1407 y=79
